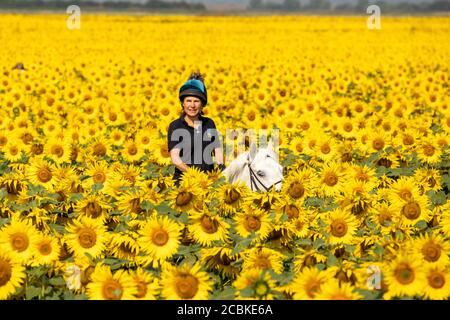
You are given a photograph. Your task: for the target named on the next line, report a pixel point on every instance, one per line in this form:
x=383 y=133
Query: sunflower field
x=88 y=208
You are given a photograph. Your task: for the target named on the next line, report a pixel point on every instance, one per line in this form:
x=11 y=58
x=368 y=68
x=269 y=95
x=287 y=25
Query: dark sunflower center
x=160 y=237
x=112 y=290
x=209 y=225
x=5 y=272
x=436 y=280
x=331 y=179
x=186 y=286
x=45 y=249
x=404 y=274
x=142 y=289
x=93 y=209
x=296 y=190
x=44 y=174
x=428 y=150
x=292 y=211
x=431 y=251
x=183 y=198
x=378 y=144
x=19 y=241
x=132 y=150
x=57 y=151
x=231 y=196
x=87 y=238
x=99 y=150
x=252 y=223
x=339 y=228
x=411 y=210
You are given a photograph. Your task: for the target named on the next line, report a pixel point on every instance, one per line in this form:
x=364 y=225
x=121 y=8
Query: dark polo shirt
x=196 y=145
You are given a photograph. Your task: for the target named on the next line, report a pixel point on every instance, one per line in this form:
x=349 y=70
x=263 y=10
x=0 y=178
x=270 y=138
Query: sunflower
x=117 y=137
x=185 y=282
x=308 y=283
x=356 y=197
x=13 y=150
x=333 y=290
x=98 y=148
x=18 y=237
x=231 y=197
x=341 y=226
x=378 y=141
x=413 y=210
x=297 y=145
x=384 y=216
x=107 y=286
x=129 y=203
x=201 y=178
x=437 y=285
x=93 y=206
x=428 y=179
x=146 y=284
x=220 y=259
x=207 y=228
x=40 y=172
x=428 y=151
x=433 y=249
x=255 y=284
x=263 y=258
x=58 y=149
x=299 y=184
x=404 y=188
x=257 y=221
x=123 y=245
x=130 y=175
x=144 y=138
x=160 y=238
x=132 y=151
x=364 y=174
x=46 y=250
x=86 y=236
x=404 y=277
x=185 y=197
x=161 y=152
x=331 y=180
x=12 y=274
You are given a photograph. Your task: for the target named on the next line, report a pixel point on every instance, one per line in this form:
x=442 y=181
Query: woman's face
x=192 y=106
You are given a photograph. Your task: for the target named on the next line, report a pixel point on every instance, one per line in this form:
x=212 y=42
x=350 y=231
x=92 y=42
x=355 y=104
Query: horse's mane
x=235 y=167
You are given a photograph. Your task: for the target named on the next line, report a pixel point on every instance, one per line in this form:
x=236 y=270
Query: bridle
x=254 y=178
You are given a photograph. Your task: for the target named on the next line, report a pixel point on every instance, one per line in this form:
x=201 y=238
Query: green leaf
x=96 y=187
x=75 y=197
x=303 y=242
x=32 y=292
x=164 y=208
x=147 y=205
x=226 y=294
x=331 y=260
x=318 y=243
x=58 y=228
x=57 y=281
x=421 y=225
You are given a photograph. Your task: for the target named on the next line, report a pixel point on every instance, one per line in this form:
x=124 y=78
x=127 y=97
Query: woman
x=193 y=138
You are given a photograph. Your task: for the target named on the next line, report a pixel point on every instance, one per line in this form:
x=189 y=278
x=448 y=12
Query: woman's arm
x=218 y=153
x=176 y=160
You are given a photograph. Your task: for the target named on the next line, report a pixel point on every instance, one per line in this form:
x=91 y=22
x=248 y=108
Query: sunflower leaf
x=58 y=228
x=32 y=292
x=57 y=281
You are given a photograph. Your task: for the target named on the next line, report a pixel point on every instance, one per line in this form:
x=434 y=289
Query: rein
x=254 y=178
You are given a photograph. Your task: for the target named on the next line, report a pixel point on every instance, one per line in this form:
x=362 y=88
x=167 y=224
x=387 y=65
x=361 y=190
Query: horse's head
x=258 y=168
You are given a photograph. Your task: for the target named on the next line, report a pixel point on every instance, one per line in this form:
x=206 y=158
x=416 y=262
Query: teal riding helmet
x=196 y=88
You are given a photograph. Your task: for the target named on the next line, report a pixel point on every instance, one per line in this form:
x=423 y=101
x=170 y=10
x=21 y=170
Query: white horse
x=259 y=169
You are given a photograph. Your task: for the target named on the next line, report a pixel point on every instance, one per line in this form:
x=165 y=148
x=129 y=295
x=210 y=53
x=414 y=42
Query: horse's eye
x=260 y=173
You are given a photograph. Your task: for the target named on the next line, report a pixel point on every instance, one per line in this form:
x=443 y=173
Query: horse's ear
x=252 y=153
x=270 y=145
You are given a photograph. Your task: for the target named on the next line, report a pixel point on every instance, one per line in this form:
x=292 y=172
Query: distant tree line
x=360 y=6
x=86 y=4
